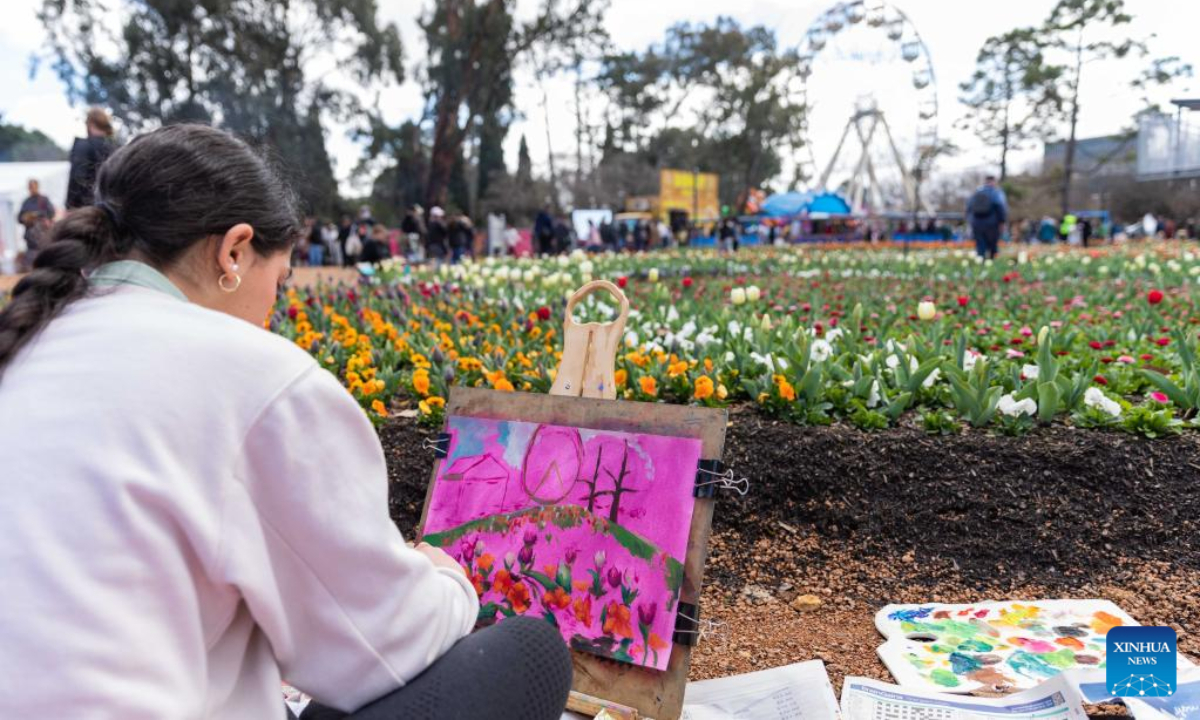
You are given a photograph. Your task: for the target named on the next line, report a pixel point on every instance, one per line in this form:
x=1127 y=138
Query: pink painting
x=587 y=529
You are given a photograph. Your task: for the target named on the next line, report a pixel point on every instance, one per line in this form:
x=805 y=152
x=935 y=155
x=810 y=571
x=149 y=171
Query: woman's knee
x=542 y=651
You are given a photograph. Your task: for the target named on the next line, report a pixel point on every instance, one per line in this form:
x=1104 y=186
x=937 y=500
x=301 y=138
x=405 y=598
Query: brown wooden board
x=655 y=694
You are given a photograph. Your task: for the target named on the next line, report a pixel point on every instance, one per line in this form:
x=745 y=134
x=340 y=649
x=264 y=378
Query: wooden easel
x=590 y=349
x=587 y=369
x=584 y=386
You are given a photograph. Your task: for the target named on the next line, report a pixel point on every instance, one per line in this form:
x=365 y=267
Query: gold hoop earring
x=237 y=282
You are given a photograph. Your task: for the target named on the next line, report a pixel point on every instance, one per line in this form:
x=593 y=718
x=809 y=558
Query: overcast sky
x=860 y=63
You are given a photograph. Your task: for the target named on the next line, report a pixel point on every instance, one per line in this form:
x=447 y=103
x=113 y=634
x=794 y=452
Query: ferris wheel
x=895 y=38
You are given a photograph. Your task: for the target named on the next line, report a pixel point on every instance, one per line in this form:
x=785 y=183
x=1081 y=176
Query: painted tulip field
x=872 y=338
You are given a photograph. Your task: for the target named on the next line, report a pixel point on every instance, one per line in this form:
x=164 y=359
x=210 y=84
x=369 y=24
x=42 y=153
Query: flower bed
x=873 y=337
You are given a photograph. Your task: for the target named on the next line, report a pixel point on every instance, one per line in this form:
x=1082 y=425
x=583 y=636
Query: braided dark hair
x=158 y=196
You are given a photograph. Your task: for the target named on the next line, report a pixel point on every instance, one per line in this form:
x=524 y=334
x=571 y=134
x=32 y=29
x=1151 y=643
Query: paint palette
x=994 y=646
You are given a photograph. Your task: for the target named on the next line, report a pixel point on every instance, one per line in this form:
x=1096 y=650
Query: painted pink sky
x=491 y=470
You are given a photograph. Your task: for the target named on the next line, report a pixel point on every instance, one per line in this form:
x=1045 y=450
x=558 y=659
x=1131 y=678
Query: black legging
x=519 y=668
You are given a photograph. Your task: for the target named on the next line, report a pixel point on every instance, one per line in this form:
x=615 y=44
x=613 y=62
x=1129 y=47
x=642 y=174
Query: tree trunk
x=445 y=148
x=1069 y=160
x=1005 y=131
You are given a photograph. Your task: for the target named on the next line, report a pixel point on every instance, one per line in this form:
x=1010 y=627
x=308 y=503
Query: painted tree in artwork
x=594 y=481
x=618 y=488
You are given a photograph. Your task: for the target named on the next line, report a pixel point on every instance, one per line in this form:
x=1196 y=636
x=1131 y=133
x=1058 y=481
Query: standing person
x=329 y=236
x=641 y=236
x=727 y=236
x=1085 y=231
x=87 y=154
x=414 y=234
x=608 y=236
x=316 y=244
x=543 y=232
x=664 y=234
x=357 y=243
x=36 y=214
x=437 y=238
x=622 y=235
x=462 y=238
x=1046 y=231
x=564 y=236
x=345 y=227
x=183 y=551
x=987 y=212
x=375 y=247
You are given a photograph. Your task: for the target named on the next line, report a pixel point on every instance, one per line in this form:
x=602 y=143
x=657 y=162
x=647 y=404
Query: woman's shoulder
x=188 y=334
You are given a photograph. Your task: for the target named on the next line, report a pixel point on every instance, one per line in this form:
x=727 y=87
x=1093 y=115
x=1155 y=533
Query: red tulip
x=1100 y=380
x=963 y=300
x=1154 y=297
x=543 y=313
x=1095 y=344
x=622 y=282
x=687 y=282
x=1162 y=342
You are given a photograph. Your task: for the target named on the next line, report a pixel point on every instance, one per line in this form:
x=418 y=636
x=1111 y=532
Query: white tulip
x=737 y=296
x=821 y=350
x=1030 y=372
x=1012 y=407
x=753 y=293
x=926 y=310
x=1095 y=398
x=652 y=276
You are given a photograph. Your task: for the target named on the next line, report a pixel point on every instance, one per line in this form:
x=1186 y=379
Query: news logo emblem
x=1140 y=661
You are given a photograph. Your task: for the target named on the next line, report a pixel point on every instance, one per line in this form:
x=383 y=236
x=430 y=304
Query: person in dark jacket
x=987 y=211
x=437 y=236
x=87 y=154
x=37 y=215
x=543 y=232
x=462 y=238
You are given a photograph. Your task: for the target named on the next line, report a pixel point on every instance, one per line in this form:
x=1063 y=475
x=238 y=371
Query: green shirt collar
x=132 y=272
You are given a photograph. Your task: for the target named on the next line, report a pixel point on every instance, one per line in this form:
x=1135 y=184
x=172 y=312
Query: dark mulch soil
x=865 y=519
x=1052 y=506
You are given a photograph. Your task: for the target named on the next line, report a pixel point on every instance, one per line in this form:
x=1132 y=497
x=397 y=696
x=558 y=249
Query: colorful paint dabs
x=585 y=528
x=1005 y=646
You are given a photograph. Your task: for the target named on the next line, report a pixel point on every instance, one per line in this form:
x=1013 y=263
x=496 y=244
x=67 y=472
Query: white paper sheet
x=792 y=692
x=1183 y=704
x=865 y=699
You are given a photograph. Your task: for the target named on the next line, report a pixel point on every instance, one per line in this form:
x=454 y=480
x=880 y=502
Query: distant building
x=1110 y=155
x=1168 y=148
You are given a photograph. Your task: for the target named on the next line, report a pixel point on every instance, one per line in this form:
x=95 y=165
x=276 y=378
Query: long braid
x=82 y=240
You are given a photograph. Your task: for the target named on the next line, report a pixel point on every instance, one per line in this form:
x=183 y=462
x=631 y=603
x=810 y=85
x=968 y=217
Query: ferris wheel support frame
x=898 y=26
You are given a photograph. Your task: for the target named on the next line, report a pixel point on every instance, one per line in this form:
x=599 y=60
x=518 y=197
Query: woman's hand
x=438 y=557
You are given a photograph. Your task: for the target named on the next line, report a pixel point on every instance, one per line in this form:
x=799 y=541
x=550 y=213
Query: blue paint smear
x=1031 y=666
x=963 y=664
x=910 y=615
x=469 y=435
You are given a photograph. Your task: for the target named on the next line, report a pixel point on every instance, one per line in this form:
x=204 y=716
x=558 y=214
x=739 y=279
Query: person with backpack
x=987 y=212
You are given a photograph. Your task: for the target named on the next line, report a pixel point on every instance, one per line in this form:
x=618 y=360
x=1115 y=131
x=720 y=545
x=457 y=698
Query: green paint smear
x=1032 y=665
x=975 y=646
x=963 y=664
x=1061 y=659
x=564 y=517
x=945 y=678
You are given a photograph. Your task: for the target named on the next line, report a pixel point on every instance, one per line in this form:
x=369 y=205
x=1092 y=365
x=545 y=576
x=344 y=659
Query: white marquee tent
x=14 y=179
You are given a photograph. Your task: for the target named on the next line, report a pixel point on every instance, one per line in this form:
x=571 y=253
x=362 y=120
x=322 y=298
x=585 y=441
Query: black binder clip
x=712 y=474
x=440 y=446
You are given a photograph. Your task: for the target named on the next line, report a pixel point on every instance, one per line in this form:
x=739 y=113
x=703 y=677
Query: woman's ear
x=232 y=251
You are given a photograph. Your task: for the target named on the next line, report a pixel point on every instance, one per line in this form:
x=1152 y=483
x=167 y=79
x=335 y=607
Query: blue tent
x=790 y=204
x=829 y=203
x=785 y=204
